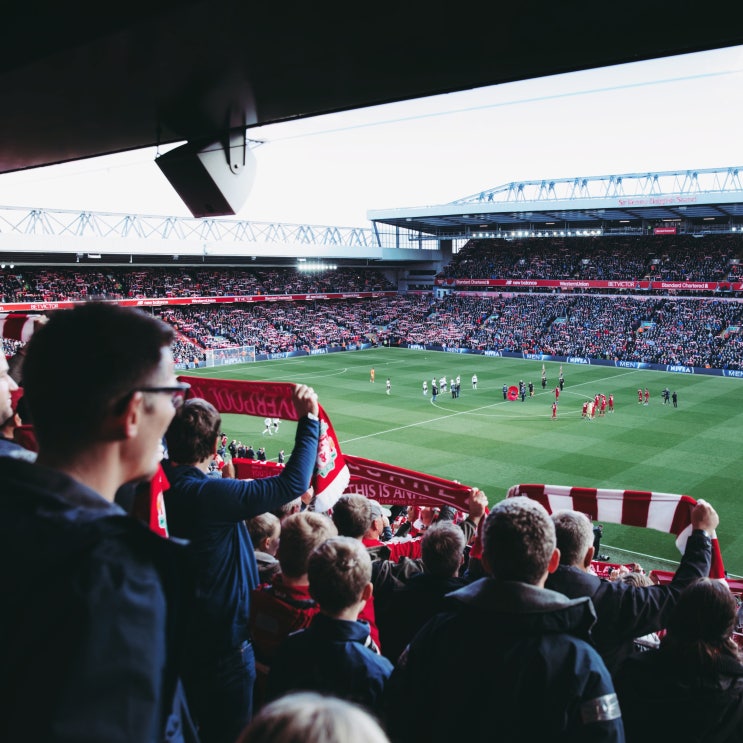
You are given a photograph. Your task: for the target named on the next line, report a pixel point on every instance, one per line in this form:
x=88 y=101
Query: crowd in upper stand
x=653 y=257
x=29 y=284
x=667 y=258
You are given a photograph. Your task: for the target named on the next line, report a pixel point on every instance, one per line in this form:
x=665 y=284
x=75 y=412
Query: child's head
x=264 y=532
x=339 y=573
x=300 y=534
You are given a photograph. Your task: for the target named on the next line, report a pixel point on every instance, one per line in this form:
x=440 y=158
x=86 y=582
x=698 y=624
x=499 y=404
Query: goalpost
x=226 y=356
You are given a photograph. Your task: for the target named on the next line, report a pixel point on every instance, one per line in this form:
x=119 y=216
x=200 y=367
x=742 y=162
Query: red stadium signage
x=688 y=286
x=664 y=230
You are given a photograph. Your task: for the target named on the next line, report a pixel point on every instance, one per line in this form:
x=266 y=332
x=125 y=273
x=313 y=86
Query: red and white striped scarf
x=17 y=327
x=666 y=512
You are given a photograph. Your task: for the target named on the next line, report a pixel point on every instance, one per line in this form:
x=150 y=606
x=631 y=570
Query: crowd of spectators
x=650 y=328
x=667 y=258
x=620 y=258
x=698 y=332
x=31 y=284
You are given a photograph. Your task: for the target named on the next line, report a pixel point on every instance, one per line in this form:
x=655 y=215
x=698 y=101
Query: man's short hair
x=352 y=515
x=338 y=570
x=300 y=534
x=193 y=432
x=82 y=364
x=574 y=533
x=518 y=540
x=263 y=526
x=442 y=548
x=293 y=506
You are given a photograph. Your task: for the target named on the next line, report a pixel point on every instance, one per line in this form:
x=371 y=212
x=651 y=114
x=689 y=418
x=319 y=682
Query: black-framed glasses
x=177 y=392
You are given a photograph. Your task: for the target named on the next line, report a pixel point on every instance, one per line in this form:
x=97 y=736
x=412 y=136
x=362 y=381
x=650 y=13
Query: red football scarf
x=274 y=400
x=158 y=520
x=397 y=486
x=666 y=512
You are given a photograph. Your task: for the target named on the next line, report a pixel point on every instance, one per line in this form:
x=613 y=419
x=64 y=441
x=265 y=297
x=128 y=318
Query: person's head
x=7 y=386
x=306 y=717
x=300 y=534
x=293 y=506
x=265 y=530
x=192 y=435
x=339 y=572
x=519 y=541
x=442 y=549
x=376 y=524
x=101 y=374
x=575 y=538
x=352 y=515
x=700 y=627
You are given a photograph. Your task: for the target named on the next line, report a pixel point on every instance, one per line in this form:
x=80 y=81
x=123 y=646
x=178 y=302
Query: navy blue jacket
x=507 y=662
x=88 y=626
x=211 y=515
x=331 y=656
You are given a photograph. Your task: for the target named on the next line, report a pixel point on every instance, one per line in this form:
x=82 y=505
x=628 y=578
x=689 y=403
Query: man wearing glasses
x=211 y=514
x=89 y=594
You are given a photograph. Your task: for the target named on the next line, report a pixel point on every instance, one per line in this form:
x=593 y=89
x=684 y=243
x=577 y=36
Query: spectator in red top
x=286 y=606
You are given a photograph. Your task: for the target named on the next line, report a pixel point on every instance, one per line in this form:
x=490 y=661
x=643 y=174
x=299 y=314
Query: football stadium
x=258 y=474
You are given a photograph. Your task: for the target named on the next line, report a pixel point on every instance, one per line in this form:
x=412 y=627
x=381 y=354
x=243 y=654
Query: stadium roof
x=699 y=201
x=78 y=83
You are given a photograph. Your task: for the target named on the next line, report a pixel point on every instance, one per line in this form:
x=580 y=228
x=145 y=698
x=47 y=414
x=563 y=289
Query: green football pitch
x=481 y=440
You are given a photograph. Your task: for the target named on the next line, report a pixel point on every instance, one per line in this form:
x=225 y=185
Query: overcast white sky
x=669 y=114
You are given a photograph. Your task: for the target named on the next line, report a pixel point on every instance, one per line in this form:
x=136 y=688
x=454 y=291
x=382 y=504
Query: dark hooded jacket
x=508 y=662
x=88 y=632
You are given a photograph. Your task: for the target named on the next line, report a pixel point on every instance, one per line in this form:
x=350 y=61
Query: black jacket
x=664 y=699
x=625 y=612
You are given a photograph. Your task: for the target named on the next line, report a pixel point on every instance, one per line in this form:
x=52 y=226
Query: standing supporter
x=210 y=514
x=265 y=532
x=624 y=611
x=91 y=600
x=8 y=446
x=335 y=654
x=285 y=606
x=411 y=605
x=691 y=689
x=352 y=514
x=389 y=547
x=529 y=672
